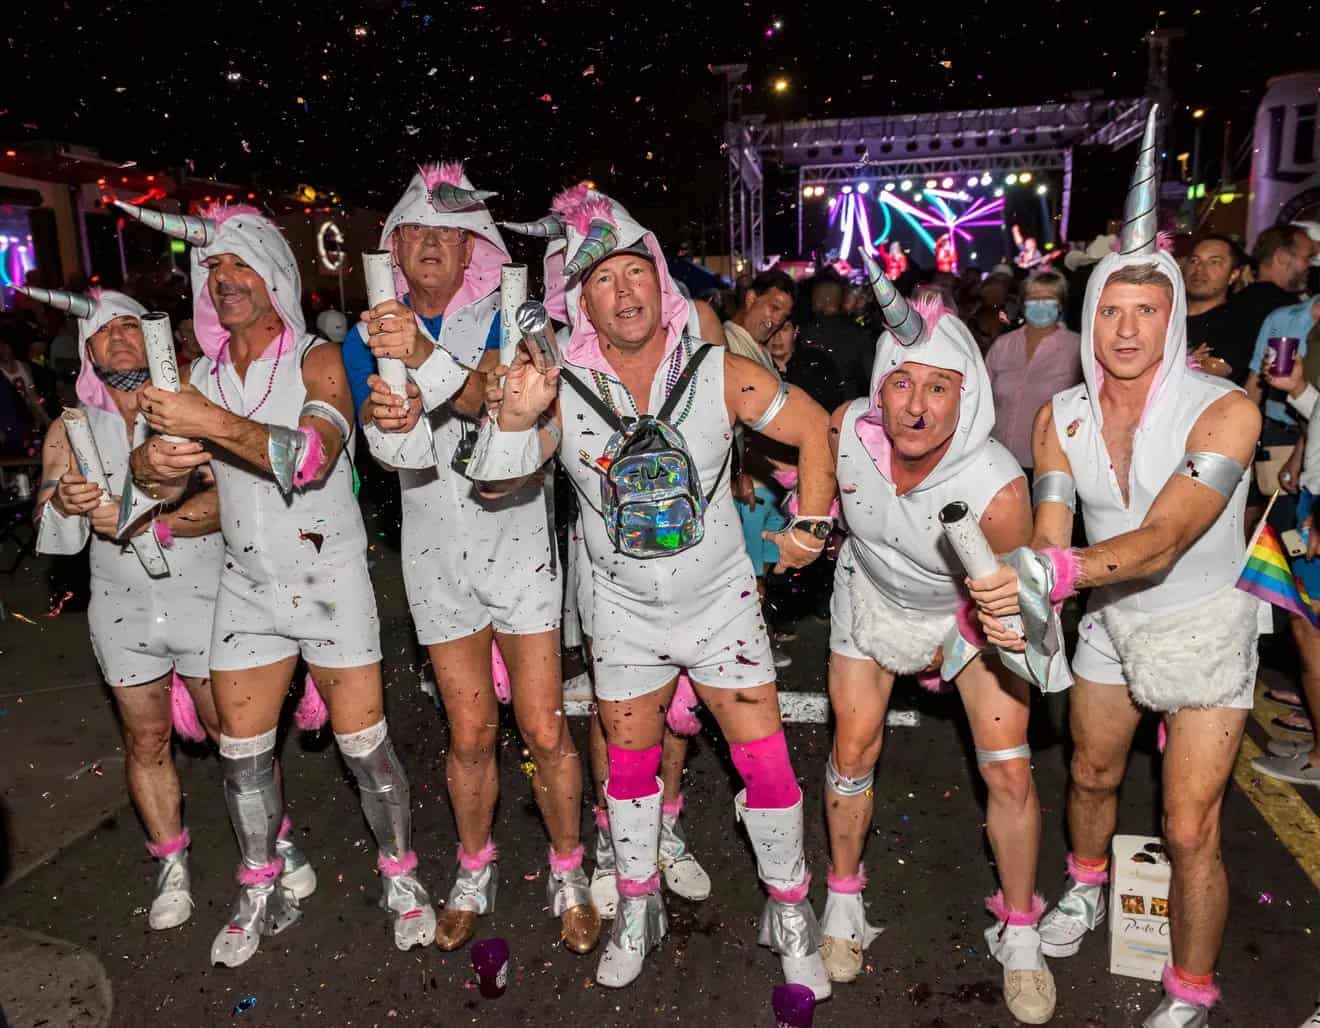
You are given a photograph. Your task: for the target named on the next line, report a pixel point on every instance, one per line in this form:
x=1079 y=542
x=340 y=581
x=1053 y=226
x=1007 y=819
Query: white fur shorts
x=327 y=613
x=866 y=626
x=1203 y=656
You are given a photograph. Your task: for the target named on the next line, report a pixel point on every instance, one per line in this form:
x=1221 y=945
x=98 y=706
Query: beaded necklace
x=275 y=367
x=676 y=361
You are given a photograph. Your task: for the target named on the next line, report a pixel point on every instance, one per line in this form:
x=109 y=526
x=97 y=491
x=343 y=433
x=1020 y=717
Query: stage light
x=889 y=187
x=1025 y=177
x=931 y=183
x=864 y=187
x=985 y=179
x=781 y=85
x=1042 y=189
x=999 y=191
x=905 y=185
x=1010 y=180
x=846 y=190
x=947 y=183
x=916 y=197
x=1198 y=113
x=808 y=192
x=971 y=182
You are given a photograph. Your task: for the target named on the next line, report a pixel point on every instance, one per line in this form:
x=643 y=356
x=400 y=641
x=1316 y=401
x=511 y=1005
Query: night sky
x=536 y=95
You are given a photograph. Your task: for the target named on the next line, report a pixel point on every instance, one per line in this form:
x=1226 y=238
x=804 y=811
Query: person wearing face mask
x=1030 y=364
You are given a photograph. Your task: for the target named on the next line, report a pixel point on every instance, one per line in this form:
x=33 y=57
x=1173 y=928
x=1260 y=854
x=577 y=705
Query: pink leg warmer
x=313 y=458
x=632 y=772
x=997 y=906
x=183 y=711
x=1189 y=992
x=391 y=868
x=767 y=772
x=476 y=861
x=682 y=716
x=312 y=712
x=169 y=847
x=672 y=808
x=849 y=886
x=570 y=862
x=1087 y=875
x=260 y=875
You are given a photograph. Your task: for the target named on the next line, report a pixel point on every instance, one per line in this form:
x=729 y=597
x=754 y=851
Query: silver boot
x=684 y=876
x=407 y=901
x=568 y=895
x=1177 y=1013
x=173 y=902
x=639 y=922
x=604 y=877
x=472 y=895
x=1080 y=909
x=263 y=909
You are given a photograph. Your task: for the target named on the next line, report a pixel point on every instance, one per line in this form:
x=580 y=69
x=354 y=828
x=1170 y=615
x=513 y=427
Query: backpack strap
x=680 y=386
x=591 y=399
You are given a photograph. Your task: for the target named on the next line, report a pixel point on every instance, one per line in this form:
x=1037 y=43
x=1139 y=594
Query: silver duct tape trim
x=604 y=850
x=1022 y=752
x=842 y=784
x=567 y=890
x=1222 y=474
x=285 y=449
x=790 y=929
x=255 y=802
x=294 y=858
x=385 y=796
x=673 y=842
x=640 y=922
x=771 y=412
x=328 y=412
x=474 y=890
x=1055 y=487
x=403 y=893
x=133 y=504
x=1082 y=902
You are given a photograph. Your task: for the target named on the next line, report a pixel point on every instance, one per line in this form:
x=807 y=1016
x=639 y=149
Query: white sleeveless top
x=266 y=534
x=898 y=541
x=1209 y=564
x=702 y=418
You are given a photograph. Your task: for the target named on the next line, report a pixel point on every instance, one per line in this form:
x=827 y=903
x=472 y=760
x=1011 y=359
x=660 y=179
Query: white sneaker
x=605 y=891
x=173 y=904
x=1029 y=990
x=1080 y=909
x=1313 y=1021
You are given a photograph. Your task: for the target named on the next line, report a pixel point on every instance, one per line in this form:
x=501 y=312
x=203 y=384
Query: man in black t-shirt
x=1213 y=270
x=1282 y=256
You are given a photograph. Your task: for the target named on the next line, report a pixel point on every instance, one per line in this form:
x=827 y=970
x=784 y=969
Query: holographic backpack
x=650 y=490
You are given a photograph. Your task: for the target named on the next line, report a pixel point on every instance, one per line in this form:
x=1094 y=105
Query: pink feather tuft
x=260 y=875
x=95 y=293
x=183 y=712
x=499 y=674
x=682 y=717
x=1189 y=992
x=389 y=867
x=569 y=862
x=850 y=885
x=998 y=906
x=930 y=308
x=163 y=533
x=450 y=172
x=792 y=894
x=567 y=199
x=220 y=213
x=311 y=713
x=313 y=458
x=476 y=861
x=161 y=850
x=584 y=214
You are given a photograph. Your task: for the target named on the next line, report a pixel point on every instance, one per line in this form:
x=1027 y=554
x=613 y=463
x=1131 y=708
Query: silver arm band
x=1220 y=473
x=330 y=413
x=1022 y=752
x=285 y=449
x=772 y=411
x=1055 y=487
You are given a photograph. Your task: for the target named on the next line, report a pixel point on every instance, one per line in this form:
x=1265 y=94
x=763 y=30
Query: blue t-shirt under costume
x=1294 y=321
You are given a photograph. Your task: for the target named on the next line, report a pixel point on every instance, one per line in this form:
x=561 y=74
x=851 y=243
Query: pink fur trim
x=997 y=906
x=170 y=847
x=220 y=213
x=94 y=294
x=499 y=674
x=930 y=308
x=312 y=713
x=932 y=681
x=1086 y=875
x=849 y=886
x=286 y=826
x=163 y=533
x=567 y=199
x=682 y=716
x=602 y=816
x=968 y=625
x=634 y=887
x=476 y=861
x=450 y=172
x=571 y=862
x=1200 y=995
x=183 y=711
x=793 y=894
x=391 y=868
x=260 y=875
x=313 y=459
x=1067 y=566
x=583 y=215
x=672 y=808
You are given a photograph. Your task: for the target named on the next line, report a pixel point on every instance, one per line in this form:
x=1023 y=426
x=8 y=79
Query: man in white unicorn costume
x=1157 y=456
x=919 y=442
x=475 y=569
x=682 y=872
x=270 y=403
x=672 y=585
x=153 y=589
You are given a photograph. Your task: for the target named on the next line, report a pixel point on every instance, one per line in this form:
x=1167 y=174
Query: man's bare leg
x=1103 y=721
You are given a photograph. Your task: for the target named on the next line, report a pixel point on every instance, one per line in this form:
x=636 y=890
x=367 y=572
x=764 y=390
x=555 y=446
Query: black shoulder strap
x=592 y=400
x=680 y=386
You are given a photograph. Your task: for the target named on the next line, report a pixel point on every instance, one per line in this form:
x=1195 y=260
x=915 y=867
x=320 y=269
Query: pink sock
x=632 y=772
x=767 y=772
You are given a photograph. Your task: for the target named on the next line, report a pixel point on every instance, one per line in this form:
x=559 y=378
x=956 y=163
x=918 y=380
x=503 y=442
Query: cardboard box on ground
x=1139 y=939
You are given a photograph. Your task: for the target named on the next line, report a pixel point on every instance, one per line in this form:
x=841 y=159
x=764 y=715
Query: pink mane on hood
x=582 y=216
x=569 y=198
x=450 y=172
x=220 y=213
x=94 y=294
x=930 y=308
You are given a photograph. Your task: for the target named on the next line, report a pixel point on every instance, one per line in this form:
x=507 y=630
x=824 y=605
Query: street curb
x=38 y=972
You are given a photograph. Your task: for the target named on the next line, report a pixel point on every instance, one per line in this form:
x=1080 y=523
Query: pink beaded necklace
x=275 y=367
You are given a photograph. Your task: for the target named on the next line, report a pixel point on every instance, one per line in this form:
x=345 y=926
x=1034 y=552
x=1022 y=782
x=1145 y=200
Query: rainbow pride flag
x=1268 y=576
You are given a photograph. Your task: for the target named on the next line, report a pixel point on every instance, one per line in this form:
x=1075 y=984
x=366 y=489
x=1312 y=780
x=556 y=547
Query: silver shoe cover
x=1177 y=1013
x=411 y=912
x=474 y=890
x=173 y=887
x=566 y=890
x=294 y=858
x=385 y=796
x=640 y=922
x=261 y=910
x=790 y=929
x=673 y=842
x=256 y=804
x=1082 y=903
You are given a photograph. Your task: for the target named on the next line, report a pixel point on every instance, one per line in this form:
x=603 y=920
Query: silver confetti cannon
x=973 y=549
x=379 y=270
x=161 y=361
x=534 y=324
x=79 y=431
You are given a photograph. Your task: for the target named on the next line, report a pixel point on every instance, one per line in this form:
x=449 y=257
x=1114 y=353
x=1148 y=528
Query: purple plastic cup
x=795 y=1006
x=1281 y=353
x=490 y=959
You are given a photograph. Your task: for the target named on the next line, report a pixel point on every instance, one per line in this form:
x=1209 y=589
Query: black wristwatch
x=818 y=527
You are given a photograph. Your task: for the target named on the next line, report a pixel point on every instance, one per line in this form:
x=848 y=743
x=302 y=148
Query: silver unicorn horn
x=905 y=323
x=601 y=239
x=446 y=197
x=77 y=304
x=188 y=227
x=549 y=227
x=1141 y=213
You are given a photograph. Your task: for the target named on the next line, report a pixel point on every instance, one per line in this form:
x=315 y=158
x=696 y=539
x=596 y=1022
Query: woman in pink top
x=1029 y=365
